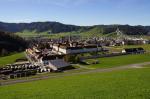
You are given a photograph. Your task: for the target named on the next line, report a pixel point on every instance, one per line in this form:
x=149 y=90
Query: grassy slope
x=120 y=48
x=95 y=32
x=121 y=60
x=10 y=59
x=114 y=34
x=27 y=33
x=146 y=46
x=128 y=84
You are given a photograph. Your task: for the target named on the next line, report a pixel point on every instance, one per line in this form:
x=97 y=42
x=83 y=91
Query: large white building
x=53 y=58
x=75 y=50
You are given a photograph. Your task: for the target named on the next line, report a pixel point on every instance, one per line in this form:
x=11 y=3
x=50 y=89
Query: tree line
x=10 y=43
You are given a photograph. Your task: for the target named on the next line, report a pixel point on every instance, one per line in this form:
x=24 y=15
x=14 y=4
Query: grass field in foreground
x=10 y=59
x=124 y=84
x=108 y=62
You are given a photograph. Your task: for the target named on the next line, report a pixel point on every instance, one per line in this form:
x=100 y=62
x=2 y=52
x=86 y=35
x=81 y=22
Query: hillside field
x=11 y=58
x=146 y=46
x=118 y=84
x=108 y=62
x=124 y=84
x=84 y=33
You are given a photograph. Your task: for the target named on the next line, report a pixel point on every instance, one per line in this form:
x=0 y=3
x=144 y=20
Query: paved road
x=71 y=74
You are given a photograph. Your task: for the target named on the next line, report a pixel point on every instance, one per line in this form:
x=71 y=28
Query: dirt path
x=84 y=67
x=71 y=74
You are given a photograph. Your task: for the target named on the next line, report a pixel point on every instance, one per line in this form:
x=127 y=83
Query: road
x=9 y=82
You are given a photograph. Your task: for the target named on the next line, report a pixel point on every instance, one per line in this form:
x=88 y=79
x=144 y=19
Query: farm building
x=134 y=50
x=135 y=41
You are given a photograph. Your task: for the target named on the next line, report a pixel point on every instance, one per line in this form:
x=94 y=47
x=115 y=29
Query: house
x=135 y=41
x=134 y=50
x=53 y=62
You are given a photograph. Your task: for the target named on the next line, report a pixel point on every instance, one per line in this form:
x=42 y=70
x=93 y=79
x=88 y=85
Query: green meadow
x=146 y=46
x=120 y=48
x=108 y=62
x=124 y=84
x=11 y=58
x=32 y=34
x=119 y=84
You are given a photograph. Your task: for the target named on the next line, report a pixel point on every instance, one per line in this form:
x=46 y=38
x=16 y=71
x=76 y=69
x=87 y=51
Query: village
x=75 y=49
x=58 y=55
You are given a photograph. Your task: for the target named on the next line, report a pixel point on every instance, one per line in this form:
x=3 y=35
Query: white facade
x=72 y=51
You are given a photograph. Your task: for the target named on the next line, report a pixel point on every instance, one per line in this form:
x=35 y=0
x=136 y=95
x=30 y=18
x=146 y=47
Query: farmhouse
x=136 y=41
x=134 y=50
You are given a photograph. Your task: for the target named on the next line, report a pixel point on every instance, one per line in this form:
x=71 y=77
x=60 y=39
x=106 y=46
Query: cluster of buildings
x=120 y=42
x=128 y=41
x=54 y=56
x=18 y=70
x=120 y=39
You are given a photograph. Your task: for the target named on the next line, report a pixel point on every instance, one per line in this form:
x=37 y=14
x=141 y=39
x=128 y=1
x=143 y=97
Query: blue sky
x=78 y=12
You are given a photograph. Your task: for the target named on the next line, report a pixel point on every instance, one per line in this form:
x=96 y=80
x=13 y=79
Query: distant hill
x=11 y=43
x=56 y=27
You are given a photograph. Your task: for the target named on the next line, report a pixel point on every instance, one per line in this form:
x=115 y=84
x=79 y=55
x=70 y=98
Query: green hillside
x=94 y=32
x=11 y=58
x=27 y=33
x=124 y=84
x=45 y=29
x=108 y=62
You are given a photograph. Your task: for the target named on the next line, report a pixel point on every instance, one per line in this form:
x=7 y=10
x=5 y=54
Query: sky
x=77 y=12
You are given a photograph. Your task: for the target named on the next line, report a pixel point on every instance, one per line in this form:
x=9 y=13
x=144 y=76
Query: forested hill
x=56 y=27
x=126 y=29
x=11 y=43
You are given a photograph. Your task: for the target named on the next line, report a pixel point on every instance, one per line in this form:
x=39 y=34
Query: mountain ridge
x=57 y=27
